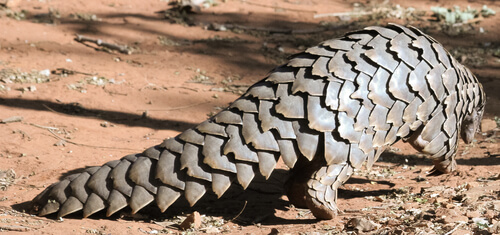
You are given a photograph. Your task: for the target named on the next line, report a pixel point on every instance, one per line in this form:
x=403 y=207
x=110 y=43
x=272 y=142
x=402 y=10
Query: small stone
x=378 y=199
x=217 y=27
x=60 y=143
x=45 y=72
x=192 y=221
x=274 y=231
x=471 y=185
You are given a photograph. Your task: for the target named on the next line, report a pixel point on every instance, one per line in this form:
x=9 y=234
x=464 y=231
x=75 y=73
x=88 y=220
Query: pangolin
x=329 y=110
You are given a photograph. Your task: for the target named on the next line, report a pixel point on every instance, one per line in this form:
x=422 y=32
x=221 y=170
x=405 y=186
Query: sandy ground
x=99 y=105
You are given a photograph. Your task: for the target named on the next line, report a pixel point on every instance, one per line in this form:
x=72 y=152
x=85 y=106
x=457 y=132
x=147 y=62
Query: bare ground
x=100 y=105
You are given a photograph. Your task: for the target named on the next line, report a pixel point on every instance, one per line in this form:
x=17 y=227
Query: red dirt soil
x=176 y=76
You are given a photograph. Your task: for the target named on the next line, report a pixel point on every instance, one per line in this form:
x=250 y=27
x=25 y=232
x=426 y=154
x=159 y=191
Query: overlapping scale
x=341 y=103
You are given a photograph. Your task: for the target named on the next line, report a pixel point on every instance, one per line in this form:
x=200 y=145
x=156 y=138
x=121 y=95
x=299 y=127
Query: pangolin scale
x=326 y=112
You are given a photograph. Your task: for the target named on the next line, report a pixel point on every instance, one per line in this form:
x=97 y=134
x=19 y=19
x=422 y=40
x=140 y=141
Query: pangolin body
x=325 y=112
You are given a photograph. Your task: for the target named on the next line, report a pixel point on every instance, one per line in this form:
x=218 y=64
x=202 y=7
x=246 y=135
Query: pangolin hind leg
x=296 y=185
x=321 y=193
x=315 y=185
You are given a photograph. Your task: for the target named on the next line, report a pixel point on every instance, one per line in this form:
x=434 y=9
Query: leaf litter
x=7 y=178
x=101 y=81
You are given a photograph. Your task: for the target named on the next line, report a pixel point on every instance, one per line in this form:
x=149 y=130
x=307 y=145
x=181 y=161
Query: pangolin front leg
x=328 y=111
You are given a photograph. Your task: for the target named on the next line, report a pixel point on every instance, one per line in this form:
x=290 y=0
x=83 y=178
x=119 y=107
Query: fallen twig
x=88 y=145
x=52 y=110
x=277 y=30
x=44 y=127
x=154 y=86
x=99 y=42
x=352 y=210
x=12 y=119
x=455 y=228
x=71 y=72
x=52 y=129
x=338 y=14
x=241 y=211
x=114 y=92
x=183 y=87
x=14 y=228
x=175 y=108
x=276 y=7
x=468 y=22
